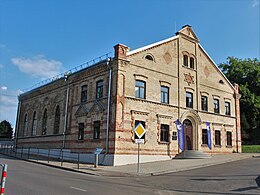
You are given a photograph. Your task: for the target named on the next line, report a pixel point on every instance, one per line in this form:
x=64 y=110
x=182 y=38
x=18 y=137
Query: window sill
x=39 y=136
x=188 y=67
x=229 y=146
x=163 y=142
x=96 y=140
x=217 y=146
x=139 y=98
x=166 y=103
x=204 y=145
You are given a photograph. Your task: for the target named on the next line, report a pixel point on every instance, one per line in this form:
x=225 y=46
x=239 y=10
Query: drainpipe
x=17 y=123
x=108 y=104
x=66 y=111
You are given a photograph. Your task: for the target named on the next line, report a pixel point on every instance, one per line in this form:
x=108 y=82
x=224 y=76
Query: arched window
x=34 y=124
x=44 y=122
x=192 y=62
x=25 y=126
x=185 y=60
x=57 y=120
x=149 y=57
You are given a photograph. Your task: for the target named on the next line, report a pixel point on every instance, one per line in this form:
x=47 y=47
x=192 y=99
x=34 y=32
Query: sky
x=42 y=38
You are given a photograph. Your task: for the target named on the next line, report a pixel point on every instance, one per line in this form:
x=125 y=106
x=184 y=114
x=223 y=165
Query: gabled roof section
x=97 y=106
x=216 y=66
x=151 y=45
x=81 y=111
x=187 y=31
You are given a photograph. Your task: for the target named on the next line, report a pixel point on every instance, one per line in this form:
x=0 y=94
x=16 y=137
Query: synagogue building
x=99 y=105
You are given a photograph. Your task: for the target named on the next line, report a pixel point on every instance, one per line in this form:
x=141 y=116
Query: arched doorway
x=188 y=134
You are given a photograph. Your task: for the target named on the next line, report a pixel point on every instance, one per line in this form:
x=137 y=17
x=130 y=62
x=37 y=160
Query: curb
x=102 y=172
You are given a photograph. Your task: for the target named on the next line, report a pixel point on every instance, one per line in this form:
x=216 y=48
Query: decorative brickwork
x=156 y=65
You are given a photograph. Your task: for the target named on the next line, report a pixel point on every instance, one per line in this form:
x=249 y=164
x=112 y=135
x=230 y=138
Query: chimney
x=120 y=51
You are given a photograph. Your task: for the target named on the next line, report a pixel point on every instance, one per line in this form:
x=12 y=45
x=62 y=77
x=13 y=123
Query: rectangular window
x=216 y=105
x=174 y=135
x=204 y=103
x=164 y=133
x=217 y=138
x=229 y=138
x=164 y=94
x=84 y=93
x=99 y=89
x=140 y=89
x=96 y=130
x=227 y=108
x=137 y=123
x=204 y=136
x=189 y=100
x=81 y=131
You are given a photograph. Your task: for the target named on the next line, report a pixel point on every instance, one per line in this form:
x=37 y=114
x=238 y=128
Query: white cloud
x=4 y=88
x=8 y=105
x=38 y=66
x=255 y=3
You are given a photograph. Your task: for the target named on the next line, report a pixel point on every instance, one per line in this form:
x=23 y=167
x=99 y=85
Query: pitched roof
x=151 y=45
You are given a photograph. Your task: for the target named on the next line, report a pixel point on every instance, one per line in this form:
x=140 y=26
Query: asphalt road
x=26 y=178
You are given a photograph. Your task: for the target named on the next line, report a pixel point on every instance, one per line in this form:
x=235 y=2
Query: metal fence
x=71 y=71
x=59 y=156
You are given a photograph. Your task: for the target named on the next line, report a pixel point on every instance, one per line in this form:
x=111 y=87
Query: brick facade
x=152 y=85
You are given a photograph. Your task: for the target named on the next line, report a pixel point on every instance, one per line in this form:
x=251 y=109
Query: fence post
x=78 y=160
x=38 y=154
x=48 y=155
x=3 y=179
x=22 y=152
x=29 y=153
x=61 y=157
x=15 y=152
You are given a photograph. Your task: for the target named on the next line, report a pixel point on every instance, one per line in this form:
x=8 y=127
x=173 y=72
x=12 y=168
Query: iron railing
x=71 y=71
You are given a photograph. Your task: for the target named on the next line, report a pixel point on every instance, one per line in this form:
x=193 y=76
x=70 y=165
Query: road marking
x=75 y=188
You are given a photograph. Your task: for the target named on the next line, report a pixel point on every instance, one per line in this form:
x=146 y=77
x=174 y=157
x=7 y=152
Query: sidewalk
x=151 y=168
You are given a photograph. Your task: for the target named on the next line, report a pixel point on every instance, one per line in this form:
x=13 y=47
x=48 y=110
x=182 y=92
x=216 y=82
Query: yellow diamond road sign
x=139 y=130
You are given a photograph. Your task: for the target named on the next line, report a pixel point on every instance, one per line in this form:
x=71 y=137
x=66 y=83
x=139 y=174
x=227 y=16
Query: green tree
x=246 y=73
x=6 y=130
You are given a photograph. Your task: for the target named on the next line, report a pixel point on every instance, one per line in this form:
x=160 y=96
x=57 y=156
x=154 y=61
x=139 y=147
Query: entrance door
x=188 y=134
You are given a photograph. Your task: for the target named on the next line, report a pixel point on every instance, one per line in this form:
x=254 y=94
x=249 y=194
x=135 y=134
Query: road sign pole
x=138 y=161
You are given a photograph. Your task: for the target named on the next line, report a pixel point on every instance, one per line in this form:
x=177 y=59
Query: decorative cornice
x=149 y=101
x=164 y=116
x=139 y=112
